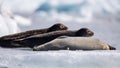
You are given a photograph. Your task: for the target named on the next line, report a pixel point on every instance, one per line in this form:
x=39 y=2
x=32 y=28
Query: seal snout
x=90 y=33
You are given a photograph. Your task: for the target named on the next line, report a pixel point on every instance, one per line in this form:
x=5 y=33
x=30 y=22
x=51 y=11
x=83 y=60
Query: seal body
x=6 y=41
x=74 y=43
x=44 y=38
x=25 y=34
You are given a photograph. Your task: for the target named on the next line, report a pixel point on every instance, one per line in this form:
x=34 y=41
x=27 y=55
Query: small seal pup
x=25 y=34
x=74 y=43
x=44 y=38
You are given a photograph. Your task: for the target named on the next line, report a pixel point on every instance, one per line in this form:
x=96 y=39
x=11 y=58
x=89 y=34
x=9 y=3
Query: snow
x=58 y=59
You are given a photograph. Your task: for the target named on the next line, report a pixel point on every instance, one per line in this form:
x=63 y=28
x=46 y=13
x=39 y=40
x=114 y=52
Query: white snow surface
x=59 y=59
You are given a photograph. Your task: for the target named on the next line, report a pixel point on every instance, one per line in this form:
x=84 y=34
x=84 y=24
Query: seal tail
x=111 y=48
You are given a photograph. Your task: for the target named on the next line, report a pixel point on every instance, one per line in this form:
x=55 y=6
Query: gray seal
x=74 y=43
x=44 y=38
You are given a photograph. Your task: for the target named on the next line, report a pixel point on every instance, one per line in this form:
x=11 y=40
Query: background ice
x=101 y=16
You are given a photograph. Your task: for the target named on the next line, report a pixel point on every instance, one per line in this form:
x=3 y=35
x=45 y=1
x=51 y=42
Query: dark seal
x=44 y=38
x=74 y=43
x=25 y=34
x=5 y=41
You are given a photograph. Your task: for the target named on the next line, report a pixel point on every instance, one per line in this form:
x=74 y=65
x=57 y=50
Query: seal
x=25 y=34
x=74 y=43
x=44 y=38
x=5 y=41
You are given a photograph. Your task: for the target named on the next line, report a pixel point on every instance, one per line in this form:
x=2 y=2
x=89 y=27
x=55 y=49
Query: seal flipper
x=112 y=48
x=20 y=42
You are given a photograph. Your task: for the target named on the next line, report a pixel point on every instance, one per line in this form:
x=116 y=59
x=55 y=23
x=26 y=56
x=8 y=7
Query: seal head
x=84 y=32
x=57 y=26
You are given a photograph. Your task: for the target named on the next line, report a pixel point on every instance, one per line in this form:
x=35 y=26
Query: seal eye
x=61 y=26
x=88 y=31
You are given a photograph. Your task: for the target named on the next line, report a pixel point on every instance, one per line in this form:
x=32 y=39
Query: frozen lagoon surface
x=59 y=59
x=105 y=24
